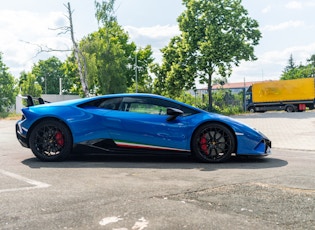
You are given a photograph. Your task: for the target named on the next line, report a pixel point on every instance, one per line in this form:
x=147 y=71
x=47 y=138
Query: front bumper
x=264 y=147
x=267 y=146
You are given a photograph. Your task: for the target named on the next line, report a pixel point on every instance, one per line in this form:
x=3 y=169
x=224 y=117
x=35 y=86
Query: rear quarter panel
x=83 y=125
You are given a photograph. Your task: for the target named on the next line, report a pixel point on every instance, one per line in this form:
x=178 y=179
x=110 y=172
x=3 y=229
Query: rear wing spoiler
x=30 y=100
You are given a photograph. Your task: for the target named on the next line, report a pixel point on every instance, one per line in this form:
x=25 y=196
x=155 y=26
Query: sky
x=287 y=26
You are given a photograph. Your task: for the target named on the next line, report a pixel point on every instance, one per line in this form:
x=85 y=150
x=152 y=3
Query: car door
x=142 y=123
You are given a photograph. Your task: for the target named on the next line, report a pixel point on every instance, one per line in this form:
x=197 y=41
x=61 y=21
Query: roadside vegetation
x=9 y=116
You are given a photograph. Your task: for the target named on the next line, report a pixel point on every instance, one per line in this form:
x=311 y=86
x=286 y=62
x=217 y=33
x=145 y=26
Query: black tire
x=213 y=142
x=252 y=109
x=290 y=109
x=51 y=140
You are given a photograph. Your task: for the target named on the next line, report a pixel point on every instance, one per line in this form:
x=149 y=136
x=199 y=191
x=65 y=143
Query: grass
x=9 y=116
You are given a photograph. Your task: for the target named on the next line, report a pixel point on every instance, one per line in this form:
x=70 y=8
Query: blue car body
x=92 y=122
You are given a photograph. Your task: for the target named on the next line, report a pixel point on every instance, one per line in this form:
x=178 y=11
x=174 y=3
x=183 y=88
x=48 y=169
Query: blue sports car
x=140 y=123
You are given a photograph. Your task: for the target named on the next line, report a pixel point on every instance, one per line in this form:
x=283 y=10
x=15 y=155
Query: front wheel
x=213 y=142
x=50 y=140
x=252 y=109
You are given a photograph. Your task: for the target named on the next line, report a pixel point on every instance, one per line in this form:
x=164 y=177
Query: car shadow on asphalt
x=155 y=162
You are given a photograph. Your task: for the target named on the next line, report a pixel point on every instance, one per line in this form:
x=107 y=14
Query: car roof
x=75 y=102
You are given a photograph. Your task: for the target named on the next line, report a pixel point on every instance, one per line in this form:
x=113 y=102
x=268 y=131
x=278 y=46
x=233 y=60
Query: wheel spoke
x=49 y=140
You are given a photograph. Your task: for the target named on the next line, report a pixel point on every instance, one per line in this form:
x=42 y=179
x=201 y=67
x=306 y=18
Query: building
x=234 y=87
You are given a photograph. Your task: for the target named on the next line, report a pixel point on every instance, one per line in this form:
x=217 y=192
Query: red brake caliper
x=203 y=144
x=59 y=138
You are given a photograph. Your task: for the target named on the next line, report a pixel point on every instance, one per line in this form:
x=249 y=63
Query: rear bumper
x=21 y=138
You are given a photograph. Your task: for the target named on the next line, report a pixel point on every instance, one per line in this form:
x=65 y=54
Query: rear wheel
x=50 y=140
x=213 y=142
x=290 y=109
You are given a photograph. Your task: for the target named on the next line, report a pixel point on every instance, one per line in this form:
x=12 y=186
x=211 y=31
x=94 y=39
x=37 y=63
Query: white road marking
x=108 y=220
x=35 y=184
x=141 y=224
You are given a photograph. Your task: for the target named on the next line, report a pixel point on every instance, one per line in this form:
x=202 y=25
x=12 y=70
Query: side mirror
x=173 y=113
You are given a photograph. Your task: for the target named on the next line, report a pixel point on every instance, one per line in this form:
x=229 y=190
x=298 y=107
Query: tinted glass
x=105 y=103
x=152 y=106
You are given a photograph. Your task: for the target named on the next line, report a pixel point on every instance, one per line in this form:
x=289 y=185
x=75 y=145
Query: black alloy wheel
x=213 y=142
x=51 y=140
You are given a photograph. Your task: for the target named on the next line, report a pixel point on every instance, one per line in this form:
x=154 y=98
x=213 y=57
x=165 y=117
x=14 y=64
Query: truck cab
x=249 y=100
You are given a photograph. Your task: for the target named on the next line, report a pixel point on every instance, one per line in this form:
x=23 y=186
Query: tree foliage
x=29 y=85
x=176 y=72
x=293 y=71
x=139 y=78
x=7 y=87
x=215 y=36
x=47 y=74
x=71 y=83
x=291 y=65
x=112 y=60
x=106 y=60
x=105 y=13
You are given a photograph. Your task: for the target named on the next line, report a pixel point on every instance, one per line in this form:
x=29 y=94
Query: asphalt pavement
x=293 y=131
x=165 y=192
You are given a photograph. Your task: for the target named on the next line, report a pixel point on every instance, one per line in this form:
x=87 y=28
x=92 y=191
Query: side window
x=147 y=108
x=104 y=103
x=110 y=103
x=151 y=106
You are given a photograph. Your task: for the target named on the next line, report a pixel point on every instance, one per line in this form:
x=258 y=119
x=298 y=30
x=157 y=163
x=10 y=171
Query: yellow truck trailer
x=289 y=95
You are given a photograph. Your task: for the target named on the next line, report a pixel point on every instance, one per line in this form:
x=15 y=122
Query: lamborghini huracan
x=135 y=123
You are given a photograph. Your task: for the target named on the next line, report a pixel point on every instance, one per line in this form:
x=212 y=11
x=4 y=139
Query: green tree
x=291 y=65
x=23 y=78
x=30 y=86
x=7 y=87
x=105 y=13
x=215 y=35
x=311 y=60
x=71 y=83
x=111 y=60
x=159 y=85
x=106 y=60
x=174 y=74
x=291 y=71
x=138 y=75
x=47 y=73
x=299 y=72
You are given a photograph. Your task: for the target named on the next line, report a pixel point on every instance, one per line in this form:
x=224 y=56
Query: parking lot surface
x=165 y=192
x=294 y=131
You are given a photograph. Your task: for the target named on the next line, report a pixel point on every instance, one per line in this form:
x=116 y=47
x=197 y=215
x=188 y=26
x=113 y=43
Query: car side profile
x=137 y=123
